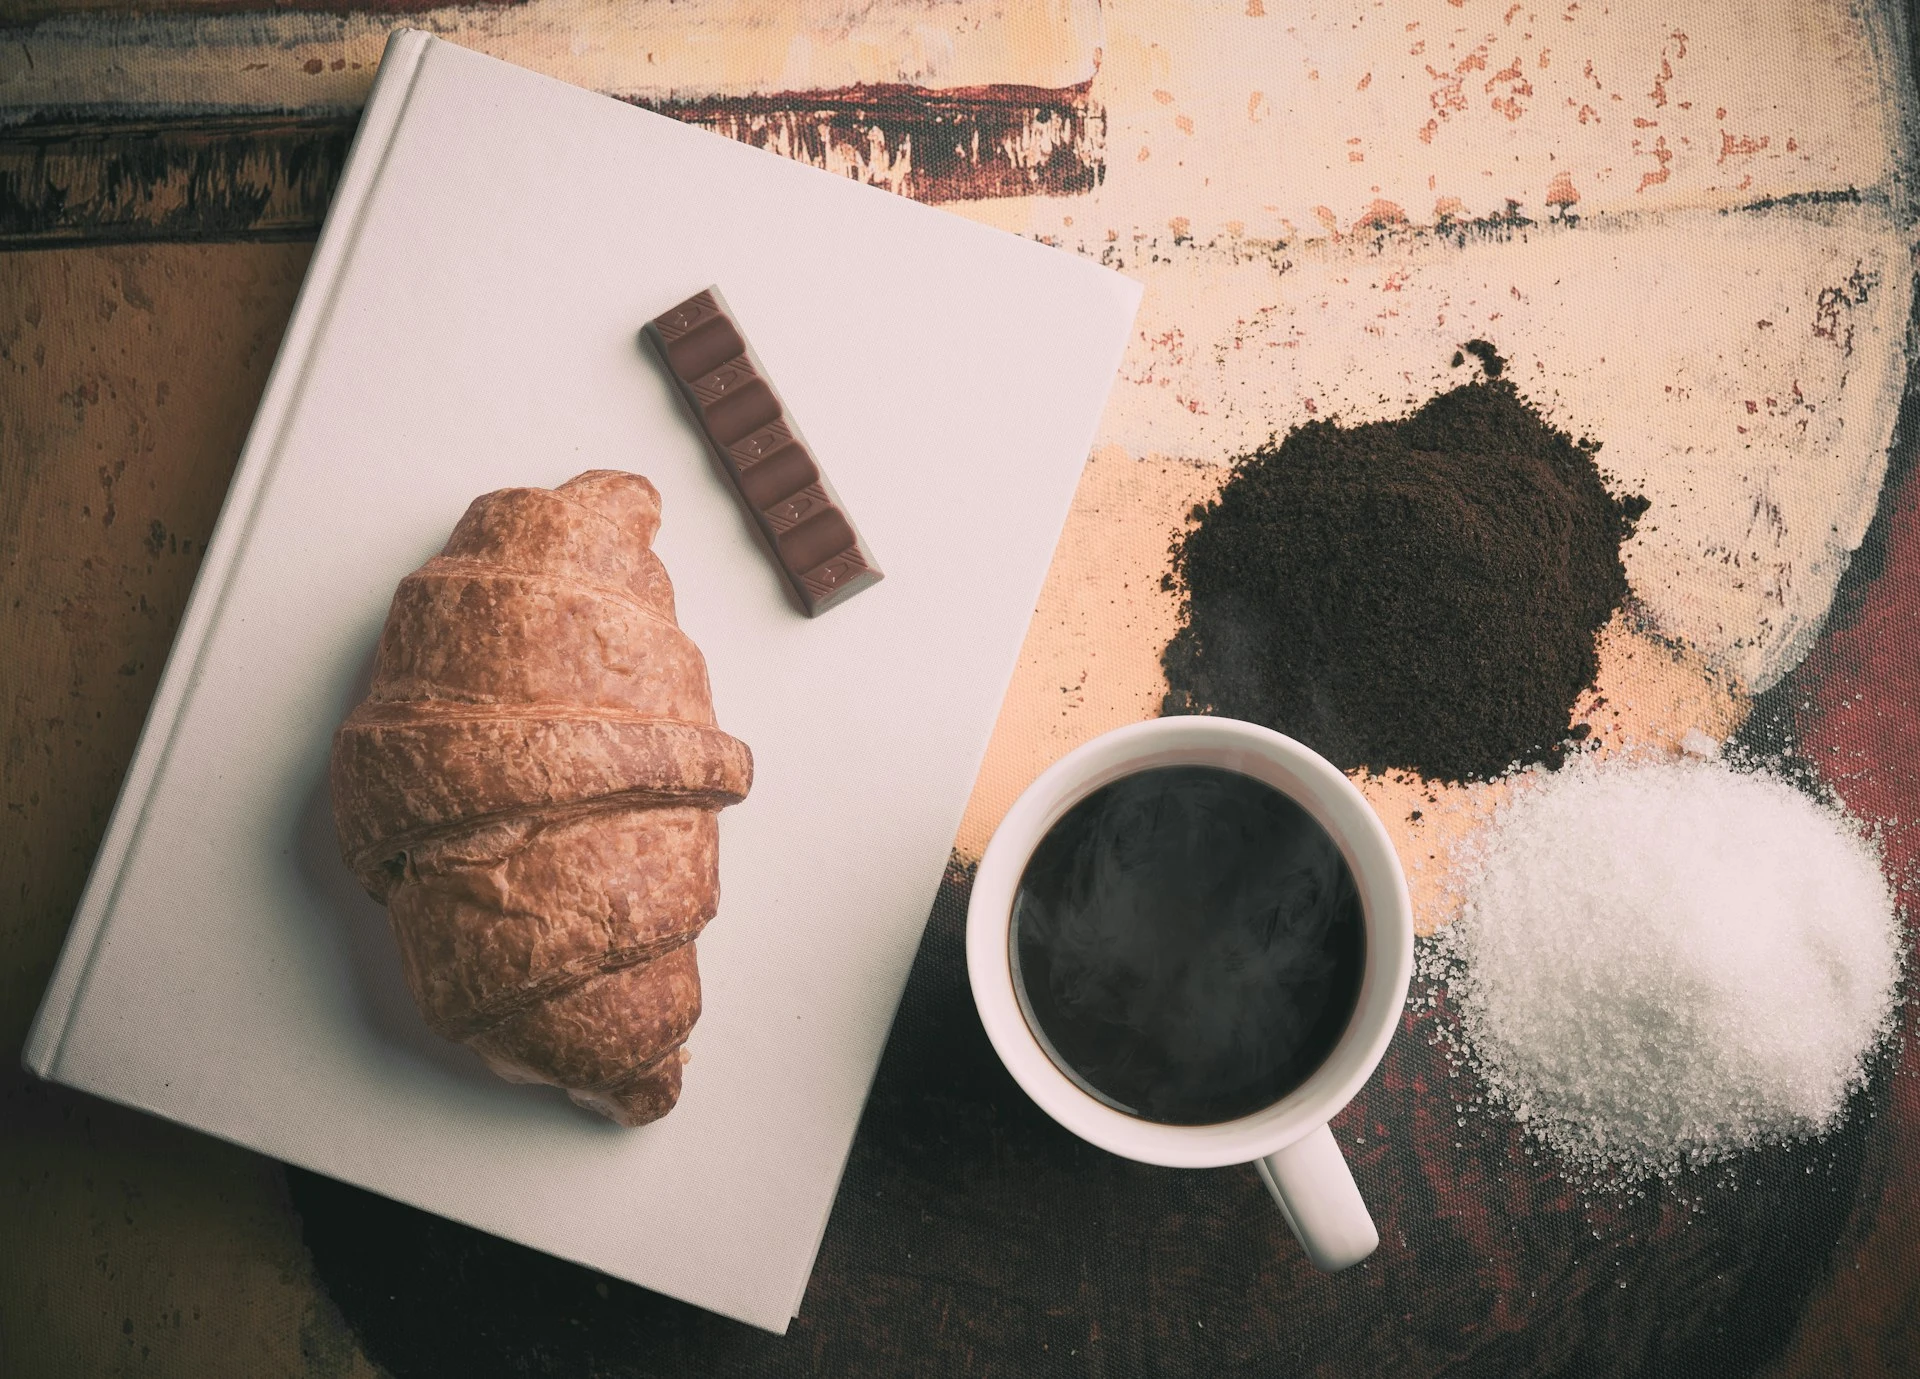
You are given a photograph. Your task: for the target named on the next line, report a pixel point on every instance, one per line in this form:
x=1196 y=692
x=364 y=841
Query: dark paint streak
x=63 y=184
x=1845 y=196
x=965 y=143
x=80 y=177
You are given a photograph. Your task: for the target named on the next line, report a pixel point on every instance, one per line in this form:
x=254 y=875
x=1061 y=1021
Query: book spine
x=386 y=105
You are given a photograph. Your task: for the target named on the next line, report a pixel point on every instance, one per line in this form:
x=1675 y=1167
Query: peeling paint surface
x=1737 y=351
x=134 y=61
x=1756 y=418
x=1688 y=226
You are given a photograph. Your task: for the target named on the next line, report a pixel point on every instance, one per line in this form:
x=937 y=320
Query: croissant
x=532 y=787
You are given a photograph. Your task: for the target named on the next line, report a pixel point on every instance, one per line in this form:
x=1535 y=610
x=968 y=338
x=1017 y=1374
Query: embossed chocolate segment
x=722 y=380
x=750 y=406
x=690 y=314
x=822 y=536
x=706 y=345
x=761 y=444
x=781 y=475
x=839 y=573
x=796 y=508
x=761 y=449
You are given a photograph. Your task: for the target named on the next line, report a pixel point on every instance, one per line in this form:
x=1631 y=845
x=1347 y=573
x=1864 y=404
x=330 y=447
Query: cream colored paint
x=1091 y=660
x=1696 y=349
x=1304 y=119
x=653 y=51
x=1241 y=119
x=1761 y=446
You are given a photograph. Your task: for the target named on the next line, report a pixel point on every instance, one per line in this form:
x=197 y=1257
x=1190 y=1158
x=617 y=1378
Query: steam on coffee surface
x=1187 y=944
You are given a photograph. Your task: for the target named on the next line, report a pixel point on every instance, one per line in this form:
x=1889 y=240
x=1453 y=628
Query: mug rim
x=1301 y=774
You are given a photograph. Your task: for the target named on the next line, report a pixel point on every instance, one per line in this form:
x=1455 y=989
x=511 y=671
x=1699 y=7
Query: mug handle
x=1316 y=1193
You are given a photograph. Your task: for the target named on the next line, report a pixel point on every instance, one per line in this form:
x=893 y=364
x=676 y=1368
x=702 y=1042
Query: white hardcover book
x=470 y=322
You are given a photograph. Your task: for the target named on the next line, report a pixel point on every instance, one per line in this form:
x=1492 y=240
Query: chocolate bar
x=756 y=442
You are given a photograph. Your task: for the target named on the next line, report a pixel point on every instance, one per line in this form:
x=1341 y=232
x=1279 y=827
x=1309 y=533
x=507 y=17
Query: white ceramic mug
x=1288 y=1141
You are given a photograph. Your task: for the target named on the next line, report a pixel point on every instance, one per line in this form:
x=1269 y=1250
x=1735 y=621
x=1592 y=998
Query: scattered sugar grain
x=1661 y=963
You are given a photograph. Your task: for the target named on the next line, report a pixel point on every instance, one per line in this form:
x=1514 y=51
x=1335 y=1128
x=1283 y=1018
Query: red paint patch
x=1733 y=145
x=1662 y=155
x=1862 y=729
x=1381 y=215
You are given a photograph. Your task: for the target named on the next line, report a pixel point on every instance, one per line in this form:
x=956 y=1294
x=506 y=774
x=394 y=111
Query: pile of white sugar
x=1660 y=963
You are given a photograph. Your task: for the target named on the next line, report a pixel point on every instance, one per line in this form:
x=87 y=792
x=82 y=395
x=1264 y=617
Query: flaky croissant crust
x=531 y=787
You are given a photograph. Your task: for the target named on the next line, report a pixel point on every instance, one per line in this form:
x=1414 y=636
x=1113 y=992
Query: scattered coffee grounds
x=1421 y=593
x=1661 y=963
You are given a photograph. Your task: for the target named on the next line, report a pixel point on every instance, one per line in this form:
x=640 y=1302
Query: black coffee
x=1187 y=944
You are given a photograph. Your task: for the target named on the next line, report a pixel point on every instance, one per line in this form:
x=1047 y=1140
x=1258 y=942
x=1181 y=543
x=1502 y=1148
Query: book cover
x=471 y=322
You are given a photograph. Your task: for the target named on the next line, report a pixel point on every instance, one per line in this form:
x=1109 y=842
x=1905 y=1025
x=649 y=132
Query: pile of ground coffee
x=1422 y=593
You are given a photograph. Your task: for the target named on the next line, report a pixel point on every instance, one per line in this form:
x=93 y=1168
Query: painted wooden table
x=1688 y=227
